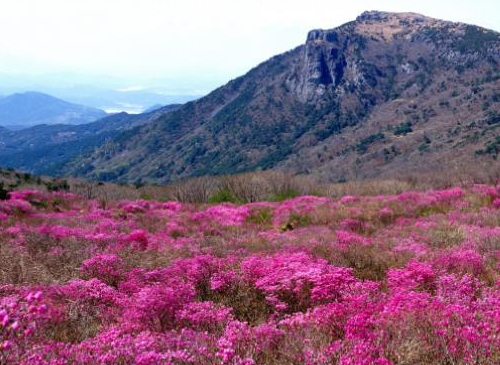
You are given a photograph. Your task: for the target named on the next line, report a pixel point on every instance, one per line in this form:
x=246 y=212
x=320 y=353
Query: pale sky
x=213 y=40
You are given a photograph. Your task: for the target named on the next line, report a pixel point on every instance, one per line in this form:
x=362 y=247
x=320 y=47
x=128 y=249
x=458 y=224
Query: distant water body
x=128 y=108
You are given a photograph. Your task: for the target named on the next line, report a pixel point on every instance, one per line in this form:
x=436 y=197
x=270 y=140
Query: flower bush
x=105 y=267
x=411 y=278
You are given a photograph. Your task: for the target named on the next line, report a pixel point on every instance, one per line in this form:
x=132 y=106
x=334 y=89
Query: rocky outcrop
x=323 y=65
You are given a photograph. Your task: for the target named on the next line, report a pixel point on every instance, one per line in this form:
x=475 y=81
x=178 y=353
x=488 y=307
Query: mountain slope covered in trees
x=381 y=95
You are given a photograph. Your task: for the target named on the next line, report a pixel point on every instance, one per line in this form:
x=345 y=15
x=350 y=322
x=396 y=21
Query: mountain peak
x=385 y=93
x=31 y=94
x=375 y=15
x=378 y=24
x=385 y=25
x=32 y=108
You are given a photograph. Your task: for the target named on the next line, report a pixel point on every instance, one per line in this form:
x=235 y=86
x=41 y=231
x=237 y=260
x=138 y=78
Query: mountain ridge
x=32 y=108
x=385 y=93
x=43 y=148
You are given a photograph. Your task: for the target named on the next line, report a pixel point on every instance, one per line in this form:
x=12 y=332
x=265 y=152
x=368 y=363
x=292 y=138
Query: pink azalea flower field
x=397 y=279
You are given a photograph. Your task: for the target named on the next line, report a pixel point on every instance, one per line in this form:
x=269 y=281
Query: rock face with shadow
x=324 y=63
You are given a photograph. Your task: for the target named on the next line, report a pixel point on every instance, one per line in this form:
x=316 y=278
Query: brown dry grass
x=278 y=185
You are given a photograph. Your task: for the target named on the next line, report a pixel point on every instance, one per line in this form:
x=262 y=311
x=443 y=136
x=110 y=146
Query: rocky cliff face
x=376 y=96
x=323 y=66
x=360 y=53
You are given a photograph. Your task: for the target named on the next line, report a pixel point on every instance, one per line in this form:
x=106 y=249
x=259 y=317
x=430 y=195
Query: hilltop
x=383 y=94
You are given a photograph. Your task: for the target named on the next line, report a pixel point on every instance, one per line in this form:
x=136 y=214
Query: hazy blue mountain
x=131 y=101
x=101 y=92
x=107 y=92
x=152 y=108
x=44 y=148
x=33 y=108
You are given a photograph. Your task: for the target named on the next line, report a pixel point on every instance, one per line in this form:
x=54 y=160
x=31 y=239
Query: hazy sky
x=207 y=40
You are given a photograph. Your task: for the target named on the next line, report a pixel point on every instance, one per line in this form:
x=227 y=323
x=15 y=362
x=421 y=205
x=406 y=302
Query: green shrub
x=296 y=220
x=492 y=148
x=260 y=216
x=423 y=147
x=460 y=68
x=57 y=185
x=145 y=196
x=476 y=39
x=4 y=194
x=493 y=117
x=284 y=195
x=223 y=196
x=403 y=129
x=363 y=145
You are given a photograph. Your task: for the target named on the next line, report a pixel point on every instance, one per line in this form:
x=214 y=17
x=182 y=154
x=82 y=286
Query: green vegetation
x=403 y=129
x=51 y=159
x=423 y=147
x=261 y=216
x=12 y=180
x=363 y=145
x=223 y=196
x=3 y=192
x=57 y=185
x=444 y=104
x=234 y=110
x=434 y=34
x=284 y=195
x=296 y=220
x=460 y=69
x=476 y=39
x=492 y=148
x=493 y=117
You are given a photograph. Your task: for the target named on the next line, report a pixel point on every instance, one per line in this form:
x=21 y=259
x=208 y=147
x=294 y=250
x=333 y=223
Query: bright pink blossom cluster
x=412 y=278
x=20 y=319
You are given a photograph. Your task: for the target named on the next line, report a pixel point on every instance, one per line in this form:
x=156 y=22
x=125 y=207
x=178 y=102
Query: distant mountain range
x=385 y=94
x=156 y=107
x=128 y=100
x=99 y=92
x=43 y=149
x=27 y=109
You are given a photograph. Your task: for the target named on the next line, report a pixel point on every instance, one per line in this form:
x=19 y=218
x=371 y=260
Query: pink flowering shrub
x=293 y=282
x=106 y=267
x=224 y=215
x=16 y=206
x=462 y=261
x=3 y=216
x=354 y=225
x=204 y=316
x=411 y=278
x=349 y=199
x=386 y=215
x=138 y=238
x=415 y=276
x=347 y=238
x=156 y=306
x=20 y=320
